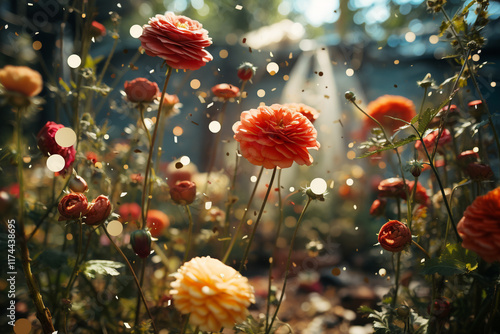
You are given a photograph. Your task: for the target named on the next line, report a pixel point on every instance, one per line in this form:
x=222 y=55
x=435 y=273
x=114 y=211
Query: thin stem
x=233 y=240
x=288 y=262
x=108 y=61
x=230 y=199
x=138 y=302
x=396 y=283
x=75 y=268
x=150 y=156
x=42 y=312
x=421 y=248
x=215 y=146
x=143 y=121
x=133 y=274
x=190 y=233
x=247 y=250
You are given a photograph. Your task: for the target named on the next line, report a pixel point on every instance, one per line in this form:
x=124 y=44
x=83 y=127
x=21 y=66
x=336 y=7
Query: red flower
x=47 y=144
x=225 y=91
x=441 y=309
x=97 y=29
x=99 y=210
x=73 y=206
x=311 y=113
x=420 y=193
x=183 y=193
x=129 y=212
x=394 y=236
x=246 y=71
x=141 y=243
x=393 y=106
x=467 y=157
x=275 y=136
x=141 y=90
x=392 y=187
x=480 y=226
x=378 y=207
x=430 y=140
x=21 y=79
x=91 y=156
x=479 y=172
x=157 y=221
x=179 y=40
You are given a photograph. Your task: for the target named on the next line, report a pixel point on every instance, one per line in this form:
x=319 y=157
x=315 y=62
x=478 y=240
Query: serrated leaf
x=424 y=118
x=396 y=144
x=101 y=267
x=365 y=309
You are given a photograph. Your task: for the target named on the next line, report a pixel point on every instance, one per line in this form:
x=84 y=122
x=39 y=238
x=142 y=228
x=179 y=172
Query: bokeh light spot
x=55 y=163
x=195 y=84
x=74 y=61
x=318 y=186
x=65 y=137
x=214 y=126
x=115 y=228
x=135 y=31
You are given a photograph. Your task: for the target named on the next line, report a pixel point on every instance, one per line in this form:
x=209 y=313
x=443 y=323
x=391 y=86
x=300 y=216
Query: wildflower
x=141 y=90
x=311 y=113
x=430 y=140
x=394 y=236
x=78 y=184
x=246 y=71
x=99 y=210
x=214 y=294
x=387 y=106
x=72 y=206
x=141 y=243
x=21 y=79
x=179 y=40
x=97 y=29
x=47 y=144
x=129 y=212
x=275 y=136
x=183 y=193
x=479 y=228
x=378 y=207
x=479 y=172
x=157 y=221
x=225 y=91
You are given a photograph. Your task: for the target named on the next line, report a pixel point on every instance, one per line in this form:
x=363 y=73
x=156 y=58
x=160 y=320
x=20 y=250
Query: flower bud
x=350 y=96
x=415 y=167
x=99 y=210
x=246 y=71
x=183 y=193
x=440 y=309
x=77 y=184
x=403 y=311
x=394 y=236
x=141 y=90
x=73 y=206
x=141 y=243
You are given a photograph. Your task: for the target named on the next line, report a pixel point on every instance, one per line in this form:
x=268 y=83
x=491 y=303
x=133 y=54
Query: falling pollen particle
x=272 y=68
x=238 y=7
x=127 y=325
x=261 y=93
x=123 y=194
x=195 y=84
x=382 y=272
x=349 y=72
x=208 y=205
x=185 y=160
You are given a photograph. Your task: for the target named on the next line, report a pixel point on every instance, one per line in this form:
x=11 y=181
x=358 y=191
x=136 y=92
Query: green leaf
x=396 y=144
x=101 y=267
x=424 y=119
x=365 y=309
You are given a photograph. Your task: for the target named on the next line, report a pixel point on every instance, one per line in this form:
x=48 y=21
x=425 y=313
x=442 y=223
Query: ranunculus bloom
x=466 y=157
x=311 y=113
x=141 y=90
x=157 y=221
x=393 y=106
x=225 y=91
x=97 y=29
x=246 y=71
x=394 y=236
x=21 y=79
x=99 y=210
x=392 y=187
x=275 y=136
x=479 y=228
x=214 y=294
x=179 y=40
x=430 y=140
x=73 y=206
x=479 y=172
x=378 y=207
x=47 y=144
x=129 y=212
x=183 y=193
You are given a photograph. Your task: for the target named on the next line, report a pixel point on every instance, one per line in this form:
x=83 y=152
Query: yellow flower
x=213 y=293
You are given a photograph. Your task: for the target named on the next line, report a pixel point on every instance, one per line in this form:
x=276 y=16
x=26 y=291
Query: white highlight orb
x=318 y=186
x=55 y=163
x=214 y=126
x=74 y=61
x=65 y=137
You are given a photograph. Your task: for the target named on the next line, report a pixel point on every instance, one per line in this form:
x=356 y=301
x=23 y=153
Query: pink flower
x=275 y=136
x=47 y=144
x=141 y=90
x=430 y=140
x=183 y=193
x=179 y=40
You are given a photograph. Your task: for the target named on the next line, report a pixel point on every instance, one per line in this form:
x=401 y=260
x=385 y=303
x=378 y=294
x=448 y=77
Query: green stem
x=190 y=233
x=134 y=276
x=138 y=302
x=247 y=250
x=242 y=220
x=288 y=262
x=396 y=283
x=215 y=146
x=108 y=61
x=421 y=248
x=75 y=267
x=141 y=108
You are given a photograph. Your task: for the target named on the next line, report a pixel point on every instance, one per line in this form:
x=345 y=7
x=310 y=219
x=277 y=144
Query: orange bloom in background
x=141 y=90
x=225 y=91
x=157 y=221
x=311 y=113
x=479 y=172
x=21 y=79
x=430 y=140
x=393 y=106
x=394 y=236
x=479 y=228
x=275 y=136
x=179 y=40
x=213 y=293
x=97 y=29
x=129 y=212
x=378 y=207
x=394 y=187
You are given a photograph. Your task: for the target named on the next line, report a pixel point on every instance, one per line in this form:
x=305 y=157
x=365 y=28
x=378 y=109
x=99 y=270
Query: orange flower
x=311 y=113
x=392 y=106
x=394 y=236
x=225 y=91
x=213 y=293
x=179 y=40
x=72 y=206
x=157 y=221
x=275 y=136
x=480 y=226
x=21 y=79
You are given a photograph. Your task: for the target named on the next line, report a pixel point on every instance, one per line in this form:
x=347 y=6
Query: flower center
x=182 y=25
